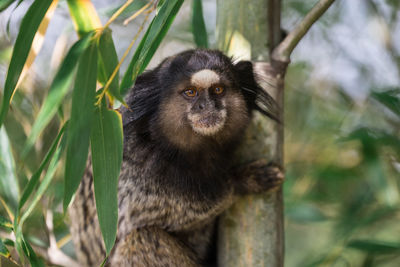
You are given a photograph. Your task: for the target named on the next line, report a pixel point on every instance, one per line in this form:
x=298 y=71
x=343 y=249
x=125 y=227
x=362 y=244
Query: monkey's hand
x=258 y=176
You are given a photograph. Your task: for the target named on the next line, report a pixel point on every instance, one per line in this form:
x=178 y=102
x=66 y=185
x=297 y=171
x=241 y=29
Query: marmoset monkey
x=184 y=121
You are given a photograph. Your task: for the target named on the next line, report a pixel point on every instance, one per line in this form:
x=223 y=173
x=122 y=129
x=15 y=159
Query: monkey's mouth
x=209 y=123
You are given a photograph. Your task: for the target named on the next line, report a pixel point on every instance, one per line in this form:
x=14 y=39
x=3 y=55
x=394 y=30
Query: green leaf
x=44 y=183
x=375 y=246
x=34 y=260
x=106 y=143
x=84 y=16
x=108 y=61
x=5 y=223
x=30 y=253
x=83 y=99
x=150 y=42
x=5 y=3
x=36 y=176
x=19 y=242
x=372 y=139
x=8 y=242
x=23 y=247
x=305 y=212
x=198 y=26
x=58 y=89
x=390 y=98
x=3 y=250
x=8 y=182
x=29 y=25
x=159 y=5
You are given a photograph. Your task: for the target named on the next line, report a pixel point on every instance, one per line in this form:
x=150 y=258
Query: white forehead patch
x=204 y=78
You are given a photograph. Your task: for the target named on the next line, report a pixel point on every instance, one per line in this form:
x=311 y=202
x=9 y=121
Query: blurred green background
x=342 y=123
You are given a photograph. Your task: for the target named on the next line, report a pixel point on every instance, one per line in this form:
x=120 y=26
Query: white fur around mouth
x=201 y=124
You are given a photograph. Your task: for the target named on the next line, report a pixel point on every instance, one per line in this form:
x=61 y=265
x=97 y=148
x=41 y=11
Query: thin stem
x=118 y=12
x=8 y=210
x=137 y=13
x=64 y=240
x=100 y=97
x=285 y=48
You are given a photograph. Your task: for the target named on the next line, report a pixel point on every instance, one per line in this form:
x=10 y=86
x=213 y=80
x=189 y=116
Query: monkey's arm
x=257 y=177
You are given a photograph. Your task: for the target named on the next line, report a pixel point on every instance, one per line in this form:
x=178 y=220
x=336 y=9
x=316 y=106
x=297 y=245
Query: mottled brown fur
x=174 y=182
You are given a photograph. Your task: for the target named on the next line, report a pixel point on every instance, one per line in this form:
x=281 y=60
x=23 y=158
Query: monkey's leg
x=151 y=247
x=257 y=177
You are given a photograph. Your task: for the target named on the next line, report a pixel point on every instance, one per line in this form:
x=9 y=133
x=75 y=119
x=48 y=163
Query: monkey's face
x=205 y=102
x=196 y=99
x=204 y=106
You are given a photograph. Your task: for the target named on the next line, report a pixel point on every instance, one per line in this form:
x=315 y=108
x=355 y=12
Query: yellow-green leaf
x=84 y=16
x=38 y=40
x=108 y=61
x=5 y=223
x=83 y=99
x=150 y=42
x=3 y=250
x=29 y=25
x=106 y=141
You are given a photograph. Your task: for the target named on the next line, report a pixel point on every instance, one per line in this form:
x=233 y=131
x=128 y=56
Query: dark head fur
x=156 y=109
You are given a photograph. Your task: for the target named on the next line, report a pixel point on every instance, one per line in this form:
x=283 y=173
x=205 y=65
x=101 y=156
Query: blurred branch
x=388 y=30
x=285 y=48
x=274 y=22
x=54 y=254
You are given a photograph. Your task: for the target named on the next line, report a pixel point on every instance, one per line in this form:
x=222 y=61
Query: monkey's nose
x=202 y=105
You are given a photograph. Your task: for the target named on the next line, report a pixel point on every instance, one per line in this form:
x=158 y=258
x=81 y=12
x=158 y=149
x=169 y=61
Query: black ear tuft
x=256 y=97
x=142 y=100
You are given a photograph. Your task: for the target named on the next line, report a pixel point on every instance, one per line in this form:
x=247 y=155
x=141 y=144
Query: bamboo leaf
x=58 y=89
x=83 y=99
x=19 y=242
x=29 y=25
x=106 y=143
x=8 y=183
x=108 y=61
x=84 y=16
x=375 y=246
x=132 y=8
x=390 y=98
x=5 y=3
x=44 y=183
x=3 y=250
x=198 y=26
x=36 y=176
x=150 y=42
x=5 y=223
x=24 y=247
x=38 y=40
x=8 y=242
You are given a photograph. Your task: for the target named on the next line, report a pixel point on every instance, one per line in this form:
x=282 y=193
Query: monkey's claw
x=265 y=177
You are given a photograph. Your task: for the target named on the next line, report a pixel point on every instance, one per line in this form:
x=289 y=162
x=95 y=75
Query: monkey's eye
x=218 y=90
x=190 y=92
